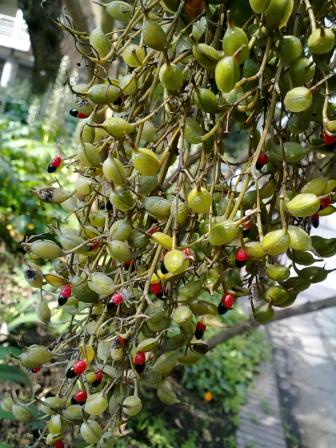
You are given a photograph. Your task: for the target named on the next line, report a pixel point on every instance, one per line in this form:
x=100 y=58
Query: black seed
x=163 y=268
x=96 y=383
x=316 y=223
x=259 y=166
x=73 y=112
x=70 y=373
x=62 y=300
x=199 y=333
x=73 y=400
x=51 y=168
x=240 y=264
x=221 y=308
x=110 y=305
x=246 y=232
x=139 y=367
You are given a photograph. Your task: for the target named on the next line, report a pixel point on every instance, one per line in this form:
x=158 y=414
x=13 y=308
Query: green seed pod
x=122 y=199
x=174 y=342
x=321 y=41
x=255 y=250
x=89 y=156
x=259 y=6
x=147 y=345
x=117 y=127
x=7 y=403
x=119 y=250
x=227 y=73
x=182 y=315
x=163 y=240
x=206 y=100
x=302 y=71
x=166 y=362
x=145 y=161
x=132 y=405
x=182 y=211
x=223 y=232
x=235 y=39
x=192 y=131
x=35 y=356
x=175 y=261
x=52 y=195
x=103 y=93
x=206 y=56
x=199 y=200
x=114 y=171
x=331 y=126
x=96 y=404
x=21 y=413
x=33 y=275
x=43 y=311
x=83 y=186
x=129 y=84
x=73 y=413
x=277 y=272
x=166 y=394
x=70 y=240
x=91 y=431
x=298 y=99
x=263 y=314
x=52 y=405
x=149 y=131
x=276 y=295
x=101 y=284
x=299 y=239
x=277 y=13
x=100 y=43
x=190 y=358
x=316 y=186
x=303 y=204
x=154 y=36
x=203 y=307
x=97 y=218
x=171 y=77
x=290 y=48
x=190 y=290
x=294 y=152
x=55 y=424
x=133 y=55
x=82 y=291
x=276 y=242
x=137 y=239
x=120 y=11
x=157 y=207
x=120 y=230
x=159 y=325
x=147 y=184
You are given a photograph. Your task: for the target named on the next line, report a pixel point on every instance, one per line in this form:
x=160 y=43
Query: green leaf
x=6 y=416
x=29 y=318
x=14 y=374
x=9 y=351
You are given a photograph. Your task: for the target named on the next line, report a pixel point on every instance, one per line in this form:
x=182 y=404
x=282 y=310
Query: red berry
x=120 y=341
x=228 y=300
x=115 y=300
x=315 y=219
x=129 y=263
x=76 y=114
x=324 y=203
x=35 y=369
x=79 y=397
x=201 y=326
x=241 y=257
x=59 y=444
x=54 y=164
x=66 y=291
x=139 y=358
x=262 y=160
x=99 y=375
x=79 y=367
x=187 y=252
x=155 y=288
x=329 y=140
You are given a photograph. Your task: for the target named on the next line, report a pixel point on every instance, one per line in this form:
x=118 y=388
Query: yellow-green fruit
x=290 y=48
x=223 y=232
x=129 y=84
x=259 y=6
x=122 y=199
x=120 y=10
x=89 y=156
x=182 y=314
x=133 y=55
x=301 y=71
x=97 y=218
x=199 y=200
x=91 y=431
x=303 y=204
x=321 y=41
x=82 y=291
x=21 y=413
x=190 y=290
x=206 y=100
x=175 y=261
x=163 y=240
x=83 y=186
x=33 y=275
x=277 y=272
x=103 y=93
x=299 y=239
x=154 y=36
x=117 y=127
x=7 y=403
x=146 y=162
x=255 y=250
x=148 y=133
x=120 y=230
x=182 y=211
x=132 y=405
x=166 y=362
x=166 y=394
x=55 y=424
x=206 y=56
x=276 y=242
x=171 y=77
x=100 y=43
x=96 y=404
x=192 y=131
x=147 y=345
x=276 y=295
x=227 y=73
x=46 y=249
x=73 y=413
x=114 y=171
x=157 y=207
x=147 y=184
x=119 y=250
x=263 y=314
x=277 y=13
x=70 y=240
x=316 y=186
x=235 y=39
x=298 y=99
x=331 y=126
x=101 y=284
x=35 y=356
x=52 y=405
x=43 y=311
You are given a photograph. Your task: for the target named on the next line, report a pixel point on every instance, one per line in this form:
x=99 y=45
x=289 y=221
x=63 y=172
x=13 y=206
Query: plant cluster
x=163 y=215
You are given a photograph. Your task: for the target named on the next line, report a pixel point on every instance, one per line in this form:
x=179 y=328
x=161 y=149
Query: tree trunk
x=45 y=39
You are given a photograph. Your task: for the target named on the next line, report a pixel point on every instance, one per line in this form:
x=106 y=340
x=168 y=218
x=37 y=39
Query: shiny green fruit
x=133 y=55
x=35 y=356
x=82 y=291
x=154 y=36
x=321 y=41
x=206 y=56
x=290 y=48
x=120 y=10
x=263 y=314
x=122 y=199
x=132 y=405
x=235 y=39
x=255 y=250
x=101 y=284
x=192 y=131
x=157 y=207
x=103 y=93
x=227 y=73
x=298 y=99
x=317 y=186
x=206 y=100
x=117 y=127
x=45 y=249
x=303 y=204
x=89 y=156
x=299 y=239
x=175 y=261
x=277 y=272
x=301 y=71
x=21 y=413
x=129 y=84
x=119 y=250
x=171 y=77
x=96 y=404
x=276 y=295
x=223 y=232
x=100 y=43
x=277 y=13
x=114 y=171
x=146 y=162
x=259 y=6
x=276 y=242
x=91 y=431
x=199 y=200
x=120 y=230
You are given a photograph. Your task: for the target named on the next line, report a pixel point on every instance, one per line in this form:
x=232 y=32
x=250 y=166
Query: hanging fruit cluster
x=172 y=231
